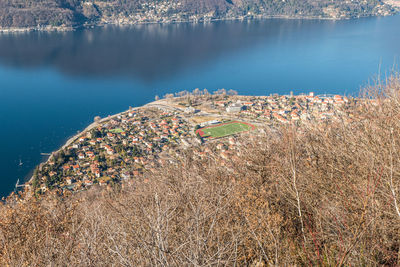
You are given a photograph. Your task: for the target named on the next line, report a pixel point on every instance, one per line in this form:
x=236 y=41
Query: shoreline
x=17 y=30
x=165 y=104
x=99 y=122
x=73 y=138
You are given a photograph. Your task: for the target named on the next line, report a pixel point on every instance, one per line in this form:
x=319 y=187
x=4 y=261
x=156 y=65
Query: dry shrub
x=320 y=194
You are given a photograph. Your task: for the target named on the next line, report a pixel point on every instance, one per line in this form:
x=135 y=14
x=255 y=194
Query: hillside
x=72 y=13
x=324 y=194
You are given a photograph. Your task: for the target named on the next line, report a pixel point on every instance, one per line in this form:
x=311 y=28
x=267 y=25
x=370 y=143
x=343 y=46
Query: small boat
x=20 y=163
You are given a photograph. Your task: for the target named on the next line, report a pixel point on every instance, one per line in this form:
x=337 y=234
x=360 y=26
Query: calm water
x=53 y=84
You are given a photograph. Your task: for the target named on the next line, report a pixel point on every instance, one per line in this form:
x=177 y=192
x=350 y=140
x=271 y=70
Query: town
x=127 y=145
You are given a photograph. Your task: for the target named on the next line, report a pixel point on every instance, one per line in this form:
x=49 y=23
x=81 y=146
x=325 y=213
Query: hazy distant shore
x=38 y=29
x=132 y=23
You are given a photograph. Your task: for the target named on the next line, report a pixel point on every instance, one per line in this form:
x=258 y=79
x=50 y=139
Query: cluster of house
x=127 y=144
x=119 y=148
x=223 y=151
x=162 y=11
x=228 y=152
x=285 y=109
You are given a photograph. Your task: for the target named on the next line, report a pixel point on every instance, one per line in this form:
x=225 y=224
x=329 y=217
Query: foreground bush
x=319 y=194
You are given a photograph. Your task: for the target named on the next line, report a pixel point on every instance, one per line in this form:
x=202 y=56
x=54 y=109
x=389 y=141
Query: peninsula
x=127 y=145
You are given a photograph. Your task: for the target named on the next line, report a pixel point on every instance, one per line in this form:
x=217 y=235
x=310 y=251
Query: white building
x=234 y=108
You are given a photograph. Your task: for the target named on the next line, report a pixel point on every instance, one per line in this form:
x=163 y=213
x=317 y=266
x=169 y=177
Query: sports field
x=116 y=130
x=225 y=129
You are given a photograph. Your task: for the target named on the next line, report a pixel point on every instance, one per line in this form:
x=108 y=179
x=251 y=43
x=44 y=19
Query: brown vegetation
x=324 y=195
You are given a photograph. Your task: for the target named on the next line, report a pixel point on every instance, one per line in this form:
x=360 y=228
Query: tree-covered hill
x=20 y=13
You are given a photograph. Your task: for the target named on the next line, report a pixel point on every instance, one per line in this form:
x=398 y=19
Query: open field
x=116 y=130
x=225 y=129
x=201 y=119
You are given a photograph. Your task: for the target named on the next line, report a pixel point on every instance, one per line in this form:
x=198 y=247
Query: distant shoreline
x=254 y=17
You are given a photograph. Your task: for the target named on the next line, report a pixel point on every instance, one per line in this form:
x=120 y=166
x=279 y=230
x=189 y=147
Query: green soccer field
x=225 y=129
x=116 y=130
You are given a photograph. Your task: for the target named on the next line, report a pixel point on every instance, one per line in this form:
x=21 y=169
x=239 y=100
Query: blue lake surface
x=54 y=84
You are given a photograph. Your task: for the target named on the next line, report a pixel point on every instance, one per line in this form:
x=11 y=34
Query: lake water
x=54 y=84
